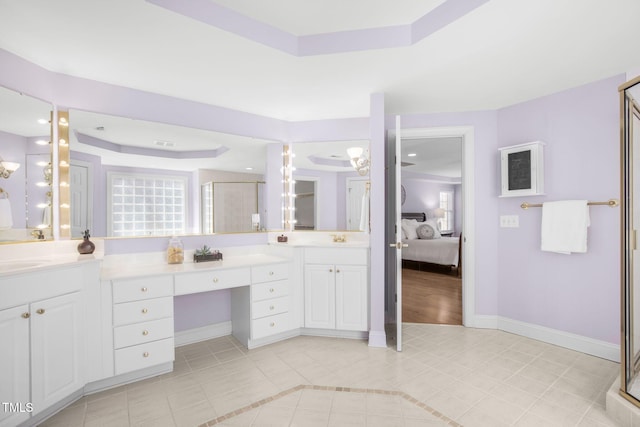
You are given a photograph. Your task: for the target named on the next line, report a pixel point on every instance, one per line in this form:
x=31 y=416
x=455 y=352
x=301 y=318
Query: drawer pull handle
x=145 y=332
x=145 y=311
x=40 y=311
x=26 y=315
x=215 y=280
x=145 y=354
x=271 y=307
x=271 y=289
x=144 y=289
x=272 y=324
x=271 y=273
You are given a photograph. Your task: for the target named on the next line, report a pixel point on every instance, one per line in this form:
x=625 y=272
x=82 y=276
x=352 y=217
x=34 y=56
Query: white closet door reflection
x=635 y=312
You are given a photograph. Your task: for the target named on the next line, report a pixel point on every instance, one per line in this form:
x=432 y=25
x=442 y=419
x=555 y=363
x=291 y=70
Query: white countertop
x=134 y=269
x=37 y=263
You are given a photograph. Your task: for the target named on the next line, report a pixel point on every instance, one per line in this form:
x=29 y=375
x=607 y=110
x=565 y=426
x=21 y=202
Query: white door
x=351 y=298
x=56 y=337
x=79 y=178
x=319 y=296
x=14 y=363
x=394 y=238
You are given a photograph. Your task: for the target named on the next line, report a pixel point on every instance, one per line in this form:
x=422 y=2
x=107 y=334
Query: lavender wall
x=577 y=293
x=423 y=195
x=13 y=148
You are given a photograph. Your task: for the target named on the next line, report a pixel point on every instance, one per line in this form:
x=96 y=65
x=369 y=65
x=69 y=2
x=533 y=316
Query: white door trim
x=468 y=197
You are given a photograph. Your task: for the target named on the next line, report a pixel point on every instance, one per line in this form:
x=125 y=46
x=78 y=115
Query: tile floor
x=446 y=375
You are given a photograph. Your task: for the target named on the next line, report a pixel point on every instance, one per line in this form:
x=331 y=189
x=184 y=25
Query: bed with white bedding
x=428 y=247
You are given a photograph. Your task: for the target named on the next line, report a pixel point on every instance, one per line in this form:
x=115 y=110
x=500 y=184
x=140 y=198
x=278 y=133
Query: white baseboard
x=334 y=333
x=204 y=333
x=564 y=339
x=377 y=339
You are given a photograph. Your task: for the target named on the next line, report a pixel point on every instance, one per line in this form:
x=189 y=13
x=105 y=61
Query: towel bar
x=612 y=203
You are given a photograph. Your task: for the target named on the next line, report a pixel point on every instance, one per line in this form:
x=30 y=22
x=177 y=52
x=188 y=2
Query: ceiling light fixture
x=359 y=159
x=411 y=155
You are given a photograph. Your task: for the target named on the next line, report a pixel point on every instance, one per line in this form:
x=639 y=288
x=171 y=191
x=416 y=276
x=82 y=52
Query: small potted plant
x=206 y=254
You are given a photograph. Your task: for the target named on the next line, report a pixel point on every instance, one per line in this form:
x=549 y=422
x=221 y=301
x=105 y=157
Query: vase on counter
x=86 y=246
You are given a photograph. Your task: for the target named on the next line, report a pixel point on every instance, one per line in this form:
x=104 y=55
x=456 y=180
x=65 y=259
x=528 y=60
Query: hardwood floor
x=429 y=297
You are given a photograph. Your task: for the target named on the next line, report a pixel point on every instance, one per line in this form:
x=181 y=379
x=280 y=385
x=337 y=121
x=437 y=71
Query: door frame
x=468 y=197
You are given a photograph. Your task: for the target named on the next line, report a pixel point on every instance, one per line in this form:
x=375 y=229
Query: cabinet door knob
x=271 y=307
x=40 y=311
x=144 y=289
x=272 y=324
x=145 y=332
x=26 y=315
x=215 y=280
x=145 y=311
x=271 y=273
x=271 y=290
x=145 y=354
x=337 y=270
x=331 y=270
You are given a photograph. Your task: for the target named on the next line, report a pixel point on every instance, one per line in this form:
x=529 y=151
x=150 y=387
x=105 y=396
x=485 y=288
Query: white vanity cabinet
x=142 y=322
x=42 y=321
x=262 y=311
x=336 y=288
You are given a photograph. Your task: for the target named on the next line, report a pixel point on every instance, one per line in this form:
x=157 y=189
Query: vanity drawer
x=142 y=311
x=142 y=288
x=268 y=290
x=269 y=307
x=139 y=333
x=342 y=256
x=269 y=273
x=211 y=280
x=144 y=355
x=270 y=325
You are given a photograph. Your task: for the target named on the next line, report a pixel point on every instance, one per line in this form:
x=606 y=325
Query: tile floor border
x=284 y=393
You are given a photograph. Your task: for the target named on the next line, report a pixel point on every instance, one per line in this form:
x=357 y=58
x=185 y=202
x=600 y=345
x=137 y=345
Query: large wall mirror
x=630 y=340
x=331 y=193
x=25 y=168
x=137 y=178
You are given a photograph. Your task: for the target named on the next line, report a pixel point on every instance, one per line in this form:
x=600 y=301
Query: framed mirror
x=25 y=171
x=137 y=178
x=330 y=191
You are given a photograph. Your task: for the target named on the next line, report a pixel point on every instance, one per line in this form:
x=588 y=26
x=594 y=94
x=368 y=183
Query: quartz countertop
x=37 y=263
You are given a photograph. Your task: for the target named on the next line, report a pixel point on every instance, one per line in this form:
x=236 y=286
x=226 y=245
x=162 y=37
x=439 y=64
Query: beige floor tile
x=304 y=417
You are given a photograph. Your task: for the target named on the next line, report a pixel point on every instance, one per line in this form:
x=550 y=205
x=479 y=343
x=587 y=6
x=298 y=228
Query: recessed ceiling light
x=43 y=121
x=248 y=168
x=42 y=142
x=411 y=155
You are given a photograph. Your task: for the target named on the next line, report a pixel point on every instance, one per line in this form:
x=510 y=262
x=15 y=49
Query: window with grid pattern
x=146 y=205
x=446 y=204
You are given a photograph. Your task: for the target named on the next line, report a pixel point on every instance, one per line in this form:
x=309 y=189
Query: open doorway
x=305 y=204
x=432 y=207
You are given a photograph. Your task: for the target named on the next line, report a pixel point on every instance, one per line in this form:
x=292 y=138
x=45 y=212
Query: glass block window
x=446 y=205
x=146 y=205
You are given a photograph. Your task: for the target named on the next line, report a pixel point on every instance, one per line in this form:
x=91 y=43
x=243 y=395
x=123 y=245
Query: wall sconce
x=359 y=159
x=7 y=168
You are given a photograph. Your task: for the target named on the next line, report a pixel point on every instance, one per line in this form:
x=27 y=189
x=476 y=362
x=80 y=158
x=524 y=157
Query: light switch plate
x=509 y=221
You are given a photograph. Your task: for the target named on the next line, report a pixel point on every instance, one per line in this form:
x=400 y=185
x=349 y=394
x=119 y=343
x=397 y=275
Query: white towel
x=6 y=220
x=564 y=226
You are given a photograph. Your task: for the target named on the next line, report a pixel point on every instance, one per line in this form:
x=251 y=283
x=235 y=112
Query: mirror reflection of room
x=330 y=185
x=25 y=168
x=156 y=177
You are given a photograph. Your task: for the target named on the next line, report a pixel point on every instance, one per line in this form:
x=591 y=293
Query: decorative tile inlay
x=269 y=399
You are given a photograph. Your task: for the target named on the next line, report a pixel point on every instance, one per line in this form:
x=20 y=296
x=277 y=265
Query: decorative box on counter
x=282 y=239
x=206 y=254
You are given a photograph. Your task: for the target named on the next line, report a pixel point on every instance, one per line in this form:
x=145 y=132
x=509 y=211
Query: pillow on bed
x=427 y=231
x=409 y=228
